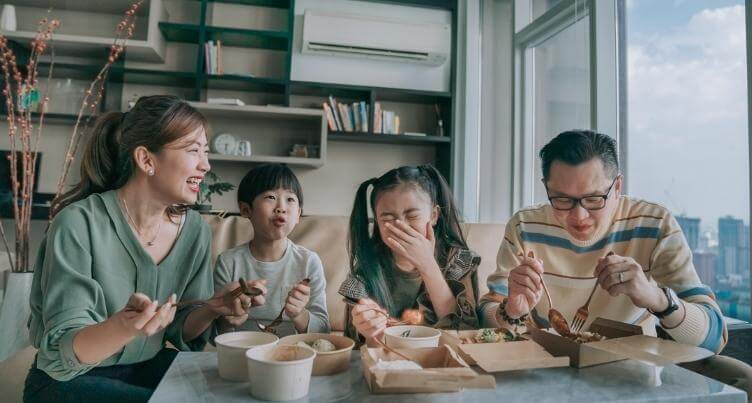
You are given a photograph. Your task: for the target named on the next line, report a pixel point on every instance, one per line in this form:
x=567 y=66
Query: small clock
x=226 y=144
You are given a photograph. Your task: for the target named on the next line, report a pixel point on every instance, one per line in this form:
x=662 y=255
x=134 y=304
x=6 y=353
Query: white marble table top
x=193 y=377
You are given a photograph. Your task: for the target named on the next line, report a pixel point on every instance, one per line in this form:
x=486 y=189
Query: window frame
x=607 y=78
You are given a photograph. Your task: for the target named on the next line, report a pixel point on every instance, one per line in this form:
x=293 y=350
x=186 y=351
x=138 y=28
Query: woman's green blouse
x=88 y=266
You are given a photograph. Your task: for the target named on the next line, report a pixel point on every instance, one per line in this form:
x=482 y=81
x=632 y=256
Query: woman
x=121 y=250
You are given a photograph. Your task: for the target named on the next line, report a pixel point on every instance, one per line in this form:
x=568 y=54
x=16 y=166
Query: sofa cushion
x=328 y=236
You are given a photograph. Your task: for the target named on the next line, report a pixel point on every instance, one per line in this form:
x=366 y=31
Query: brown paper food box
x=501 y=356
x=443 y=371
x=623 y=341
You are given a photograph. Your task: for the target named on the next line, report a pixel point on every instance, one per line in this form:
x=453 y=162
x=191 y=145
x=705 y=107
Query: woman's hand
x=142 y=316
x=367 y=321
x=525 y=288
x=235 y=310
x=412 y=246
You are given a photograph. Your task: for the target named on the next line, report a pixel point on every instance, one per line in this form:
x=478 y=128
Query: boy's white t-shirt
x=281 y=276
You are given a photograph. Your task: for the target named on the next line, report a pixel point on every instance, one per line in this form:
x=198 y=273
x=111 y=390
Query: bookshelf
x=262 y=77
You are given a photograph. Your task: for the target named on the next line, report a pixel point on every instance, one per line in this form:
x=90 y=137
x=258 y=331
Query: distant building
x=691 y=228
x=733 y=247
x=705 y=265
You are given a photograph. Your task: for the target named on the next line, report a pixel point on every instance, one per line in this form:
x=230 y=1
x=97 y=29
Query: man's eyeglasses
x=594 y=202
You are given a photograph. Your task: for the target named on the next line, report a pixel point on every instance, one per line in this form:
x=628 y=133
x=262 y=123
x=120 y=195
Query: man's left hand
x=623 y=275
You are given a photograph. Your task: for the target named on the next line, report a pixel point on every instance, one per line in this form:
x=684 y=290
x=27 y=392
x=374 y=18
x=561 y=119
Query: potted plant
x=209 y=186
x=23 y=97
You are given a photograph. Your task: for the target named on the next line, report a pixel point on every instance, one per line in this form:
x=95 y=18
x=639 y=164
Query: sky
x=687 y=107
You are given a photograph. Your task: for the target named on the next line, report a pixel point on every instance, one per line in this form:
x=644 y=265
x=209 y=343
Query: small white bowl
x=420 y=337
x=281 y=372
x=231 y=348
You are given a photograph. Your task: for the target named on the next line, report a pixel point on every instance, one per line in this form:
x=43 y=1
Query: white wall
x=345 y=70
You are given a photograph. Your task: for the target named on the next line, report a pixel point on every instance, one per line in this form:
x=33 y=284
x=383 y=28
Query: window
x=687 y=131
x=561 y=85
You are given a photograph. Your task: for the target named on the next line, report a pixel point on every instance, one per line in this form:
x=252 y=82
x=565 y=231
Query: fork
x=270 y=328
x=582 y=312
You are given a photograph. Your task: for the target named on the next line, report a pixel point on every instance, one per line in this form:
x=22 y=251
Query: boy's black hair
x=371 y=260
x=574 y=147
x=268 y=177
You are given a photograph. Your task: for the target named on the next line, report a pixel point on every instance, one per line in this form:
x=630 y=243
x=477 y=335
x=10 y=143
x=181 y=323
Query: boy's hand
x=236 y=320
x=297 y=300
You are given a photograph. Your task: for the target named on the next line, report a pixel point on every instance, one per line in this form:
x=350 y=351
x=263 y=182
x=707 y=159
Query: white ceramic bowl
x=281 y=372
x=231 y=348
x=420 y=337
x=328 y=362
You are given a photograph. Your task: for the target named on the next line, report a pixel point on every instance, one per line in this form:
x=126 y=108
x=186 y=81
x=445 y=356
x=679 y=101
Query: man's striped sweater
x=645 y=231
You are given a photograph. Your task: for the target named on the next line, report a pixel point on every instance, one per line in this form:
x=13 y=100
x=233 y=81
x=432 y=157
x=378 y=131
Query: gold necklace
x=138 y=230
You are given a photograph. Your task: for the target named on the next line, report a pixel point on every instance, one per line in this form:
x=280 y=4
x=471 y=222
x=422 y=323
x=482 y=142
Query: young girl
x=416 y=255
x=272 y=198
x=121 y=250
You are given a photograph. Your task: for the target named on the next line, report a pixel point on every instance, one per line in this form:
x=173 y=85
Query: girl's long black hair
x=371 y=260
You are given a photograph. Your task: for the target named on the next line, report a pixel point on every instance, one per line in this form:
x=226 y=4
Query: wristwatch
x=672 y=304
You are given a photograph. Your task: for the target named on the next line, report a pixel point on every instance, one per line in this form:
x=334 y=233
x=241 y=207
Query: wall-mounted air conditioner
x=380 y=38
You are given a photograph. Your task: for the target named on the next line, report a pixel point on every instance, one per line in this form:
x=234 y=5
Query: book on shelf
x=213 y=57
x=329 y=117
x=335 y=111
x=377 y=115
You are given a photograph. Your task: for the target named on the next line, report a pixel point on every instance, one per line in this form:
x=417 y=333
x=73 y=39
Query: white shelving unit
x=88 y=27
x=272 y=131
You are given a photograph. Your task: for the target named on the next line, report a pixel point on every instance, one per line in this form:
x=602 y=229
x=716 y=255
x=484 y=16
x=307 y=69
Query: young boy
x=271 y=197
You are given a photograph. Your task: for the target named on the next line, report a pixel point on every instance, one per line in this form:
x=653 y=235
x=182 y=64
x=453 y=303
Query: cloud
x=687 y=106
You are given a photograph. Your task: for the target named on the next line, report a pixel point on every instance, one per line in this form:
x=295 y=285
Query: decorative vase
x=8 y=18
x=15 y=289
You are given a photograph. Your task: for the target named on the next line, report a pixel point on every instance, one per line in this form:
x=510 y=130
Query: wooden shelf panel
x=310 y=162
x=54 y=118
x=245 y=83
x=248 y=38
x=364 y=92
x=178 y=32
x=153 y=77
x=388 y=138
x=261 y=3
x=89 y=46
x=118 y=7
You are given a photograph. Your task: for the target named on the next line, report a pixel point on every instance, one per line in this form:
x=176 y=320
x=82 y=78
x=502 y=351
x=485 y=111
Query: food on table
x=396 y=365
x=320 y=345
x=412 y=316
x=585 y=337
x=492 y=336
x=323 y=345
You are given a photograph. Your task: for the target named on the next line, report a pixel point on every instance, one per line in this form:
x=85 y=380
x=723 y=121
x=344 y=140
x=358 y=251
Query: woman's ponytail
x=101 y=169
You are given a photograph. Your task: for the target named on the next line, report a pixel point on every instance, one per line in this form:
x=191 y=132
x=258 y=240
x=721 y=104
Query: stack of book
x=342 y=117
x=213 y=57
x=387 y=122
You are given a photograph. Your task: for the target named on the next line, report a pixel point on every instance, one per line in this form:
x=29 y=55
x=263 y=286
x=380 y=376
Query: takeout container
x=231 y=348
x=420 y=337
x=502 y=355
x=280 y=373
x=329 y=362
x=443 y=371
x=622 y=341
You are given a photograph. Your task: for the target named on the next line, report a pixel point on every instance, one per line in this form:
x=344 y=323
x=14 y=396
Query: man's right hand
x=525 y=288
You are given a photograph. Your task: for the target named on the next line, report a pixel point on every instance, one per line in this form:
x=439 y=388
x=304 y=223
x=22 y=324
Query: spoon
x=229 y=297
x=555 y=318
x=274 y=323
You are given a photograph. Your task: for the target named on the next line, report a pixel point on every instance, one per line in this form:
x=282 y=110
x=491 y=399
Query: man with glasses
x=629 y=254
